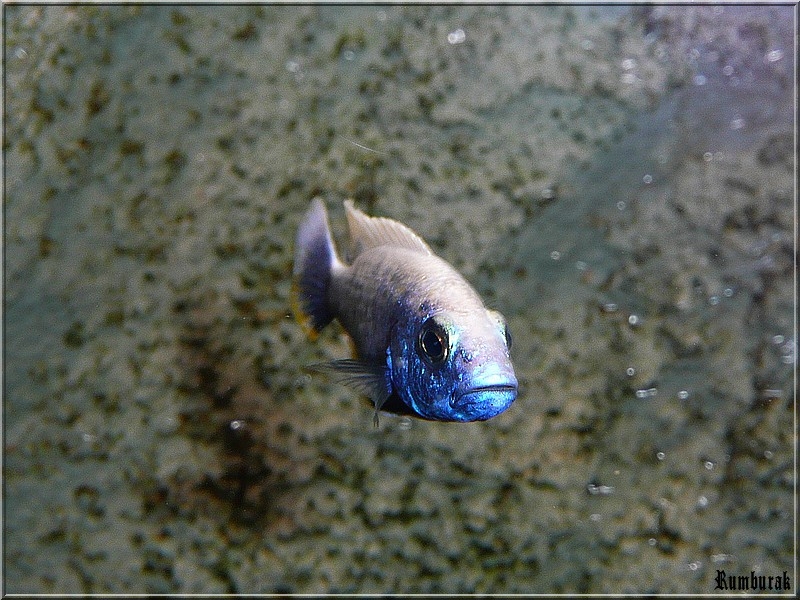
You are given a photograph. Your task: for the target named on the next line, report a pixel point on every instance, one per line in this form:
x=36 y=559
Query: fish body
x=425 y=343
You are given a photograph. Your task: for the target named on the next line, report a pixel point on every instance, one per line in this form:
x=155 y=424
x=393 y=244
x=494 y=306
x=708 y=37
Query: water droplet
x=621 y=205
x=404 y=423
x=693 y=566
x=777 y=339
x=348 y=55
x=651 y=542
x=727 y=292
x=630 y=371
x=660 y=455
x=708 y=156
x=683 y=395
x=457 y=36
x=713 y=300
x=647 y=179
x=633 y=320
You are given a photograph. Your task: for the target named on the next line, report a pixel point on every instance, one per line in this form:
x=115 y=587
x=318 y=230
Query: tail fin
x=314 y=259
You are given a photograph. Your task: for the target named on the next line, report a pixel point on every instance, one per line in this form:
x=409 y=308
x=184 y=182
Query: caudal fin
x=314 y=259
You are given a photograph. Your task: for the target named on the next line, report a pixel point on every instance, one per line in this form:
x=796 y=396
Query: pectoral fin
x=368 y=378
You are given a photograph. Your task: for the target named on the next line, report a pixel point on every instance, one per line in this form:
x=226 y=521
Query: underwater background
x=618 y=181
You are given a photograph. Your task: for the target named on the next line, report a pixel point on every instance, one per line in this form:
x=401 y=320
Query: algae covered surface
x=618 y=181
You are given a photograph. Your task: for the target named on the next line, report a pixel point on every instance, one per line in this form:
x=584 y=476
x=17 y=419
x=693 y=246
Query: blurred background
x=618 y=181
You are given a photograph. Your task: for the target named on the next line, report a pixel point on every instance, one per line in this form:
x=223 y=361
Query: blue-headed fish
x=425 y=344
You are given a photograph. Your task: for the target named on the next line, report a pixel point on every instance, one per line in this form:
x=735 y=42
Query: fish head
x=454 y=366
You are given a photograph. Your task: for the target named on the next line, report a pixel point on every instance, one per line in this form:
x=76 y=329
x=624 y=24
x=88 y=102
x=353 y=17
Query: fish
x=425 y=344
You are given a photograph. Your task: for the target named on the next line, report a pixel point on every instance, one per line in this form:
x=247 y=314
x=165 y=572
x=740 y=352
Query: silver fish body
x=426 y=345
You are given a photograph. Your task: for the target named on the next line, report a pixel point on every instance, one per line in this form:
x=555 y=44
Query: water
x=593 y=171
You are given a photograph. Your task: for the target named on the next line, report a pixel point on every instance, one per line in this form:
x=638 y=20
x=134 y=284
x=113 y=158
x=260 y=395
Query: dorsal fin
x=370 y=232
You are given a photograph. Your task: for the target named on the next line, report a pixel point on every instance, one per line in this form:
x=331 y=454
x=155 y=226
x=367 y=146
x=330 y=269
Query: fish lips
x=484 y=402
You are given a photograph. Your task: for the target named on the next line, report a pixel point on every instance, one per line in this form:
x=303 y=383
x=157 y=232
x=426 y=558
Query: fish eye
x=507 y=333
x=433 y=342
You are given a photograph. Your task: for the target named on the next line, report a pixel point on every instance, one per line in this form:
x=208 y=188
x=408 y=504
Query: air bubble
x=737 y=123
x=595 y=517
x=774 y=55
x=555 y=255
x=660 y=455
x=708 y=465
x=630 y=371
x=702 y=502
x=621 y=205
x=600 y=490
x=404 y=423
x=699 y=80
x=708 y=156
x=648 y=179
x=237 y=424
x=777 y=339
x=683 y=395
x=457 y=36
x=768 y=454
x=633 y=320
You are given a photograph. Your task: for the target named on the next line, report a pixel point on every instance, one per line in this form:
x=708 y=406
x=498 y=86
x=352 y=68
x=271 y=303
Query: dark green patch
x=98 y=98
x=246 y=33
x=178 y=18
x=114 y=318
x=46 y=246
x=130 y=147
x=73 y=338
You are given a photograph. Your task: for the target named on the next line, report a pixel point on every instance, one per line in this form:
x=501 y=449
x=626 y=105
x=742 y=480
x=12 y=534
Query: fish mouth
x=484 y=402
